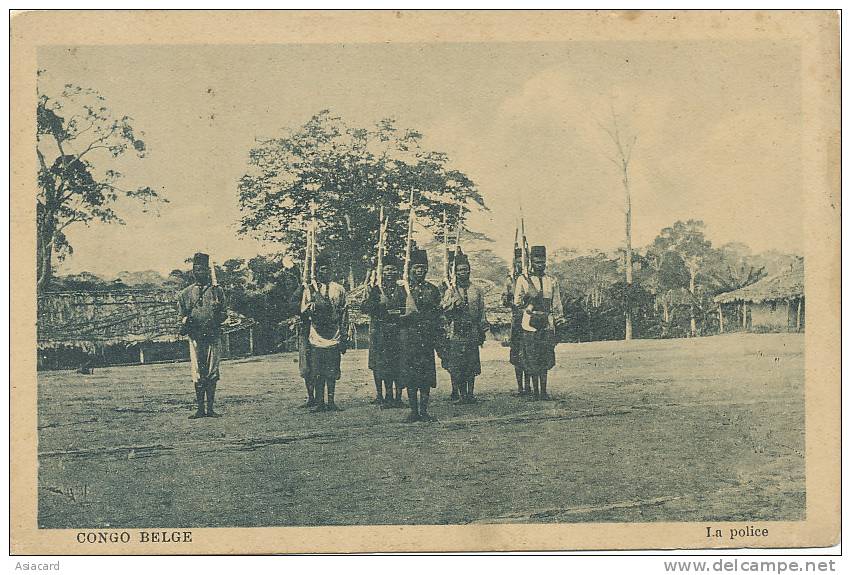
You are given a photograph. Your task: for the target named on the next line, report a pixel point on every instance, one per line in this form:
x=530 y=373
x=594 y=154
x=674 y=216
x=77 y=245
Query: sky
x=717 y=127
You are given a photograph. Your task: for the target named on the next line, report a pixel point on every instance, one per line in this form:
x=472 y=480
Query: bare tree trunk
x=44 y=259
x=624 y=155
x=693 y=322
x=351 y=251
x=628 y=327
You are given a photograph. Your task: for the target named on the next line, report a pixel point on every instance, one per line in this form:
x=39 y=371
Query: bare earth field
x=663 y=430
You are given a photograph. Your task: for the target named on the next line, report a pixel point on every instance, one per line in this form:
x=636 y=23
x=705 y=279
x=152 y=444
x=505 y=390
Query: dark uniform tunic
x=204 y=306
x=516 y=338
x=384 y=330
x=303 y=327
x=464 y=313
x=328 y=330
x=418 y=334
x=537 y=353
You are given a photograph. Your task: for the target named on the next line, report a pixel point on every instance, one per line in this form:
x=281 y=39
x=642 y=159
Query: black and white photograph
x=566 y=281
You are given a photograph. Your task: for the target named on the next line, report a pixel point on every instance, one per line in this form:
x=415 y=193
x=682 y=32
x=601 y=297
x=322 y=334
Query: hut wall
x=361 y=339
x=240 y=344
x=62 y=357
x=165 y=351
x=770 y=316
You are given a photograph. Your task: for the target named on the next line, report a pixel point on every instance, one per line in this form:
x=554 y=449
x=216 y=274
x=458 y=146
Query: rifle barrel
x=445 y=248
x=408 y=240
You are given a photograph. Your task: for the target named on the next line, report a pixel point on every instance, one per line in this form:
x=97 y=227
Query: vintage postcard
x=397 y=281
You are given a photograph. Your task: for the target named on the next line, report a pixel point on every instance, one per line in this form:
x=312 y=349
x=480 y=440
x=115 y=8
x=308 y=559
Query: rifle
x=508 y=296
x=512 y=274
x=379 y=261
x=524 y=255
x=458 y=229
x=305 y=274
x=313 y=245
x=308 y=272
x=445 y=249
x=410 y=304
x=214 y=280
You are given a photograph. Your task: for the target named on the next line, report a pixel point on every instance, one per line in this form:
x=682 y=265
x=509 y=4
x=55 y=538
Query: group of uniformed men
x=410 y=321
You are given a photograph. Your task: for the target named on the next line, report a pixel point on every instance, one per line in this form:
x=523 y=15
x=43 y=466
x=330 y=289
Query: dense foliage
x=342 y=175
x=78 y=141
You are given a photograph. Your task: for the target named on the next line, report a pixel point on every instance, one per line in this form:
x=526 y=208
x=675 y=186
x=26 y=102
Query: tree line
x=338 y=177
x=675 y=280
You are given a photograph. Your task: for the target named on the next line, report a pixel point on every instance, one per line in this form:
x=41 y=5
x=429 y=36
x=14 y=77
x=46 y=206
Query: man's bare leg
x=376 y=378
x=518 y=375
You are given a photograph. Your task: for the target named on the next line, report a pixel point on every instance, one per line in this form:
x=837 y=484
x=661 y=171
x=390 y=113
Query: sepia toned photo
x=446 y=281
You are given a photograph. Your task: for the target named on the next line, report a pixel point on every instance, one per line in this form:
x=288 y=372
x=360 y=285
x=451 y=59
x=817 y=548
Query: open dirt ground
x=663 y=430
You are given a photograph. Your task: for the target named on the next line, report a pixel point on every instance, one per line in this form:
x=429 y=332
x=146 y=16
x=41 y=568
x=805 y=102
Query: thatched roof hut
x=773 y=303
x=780 y=287
x=93 y=320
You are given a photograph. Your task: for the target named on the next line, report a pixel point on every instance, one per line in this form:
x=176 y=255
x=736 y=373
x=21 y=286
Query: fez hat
x=390 y=260
x=518 y=253
x=419 y=256
x=200 y=259
x=539 y=251
x=323 y=259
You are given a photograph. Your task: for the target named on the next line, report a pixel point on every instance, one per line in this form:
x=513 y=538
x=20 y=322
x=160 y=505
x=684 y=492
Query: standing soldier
x=417 y=336
x=538 y=296
x=516 y=337
x=383 y=304
x=202 y=313
x=324 y=306
x=303 y=332
x=463 y=306
x=441 y=343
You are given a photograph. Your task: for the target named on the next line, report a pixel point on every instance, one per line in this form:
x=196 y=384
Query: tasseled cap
x=539 y=251
x=419 y=256
x=201 y=259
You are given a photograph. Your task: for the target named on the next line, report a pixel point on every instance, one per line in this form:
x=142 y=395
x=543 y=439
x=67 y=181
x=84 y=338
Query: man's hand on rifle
x=308 y=304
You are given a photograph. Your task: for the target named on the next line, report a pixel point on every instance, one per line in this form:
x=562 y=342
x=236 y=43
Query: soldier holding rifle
x=383 y=304
x=538 y=296
x=519 y=268
x=202 y=313
x=463 y=306
x=324 y=307
x=418 y=327
x=297 y=300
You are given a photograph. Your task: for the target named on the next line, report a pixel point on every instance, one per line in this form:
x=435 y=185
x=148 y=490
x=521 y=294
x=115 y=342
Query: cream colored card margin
x=817 y=34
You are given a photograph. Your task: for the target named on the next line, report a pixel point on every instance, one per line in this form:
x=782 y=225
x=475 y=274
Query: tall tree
x=624 y=146
x=346 y=173
x=664 y=274
x=732 y=267
x=78 y=141
x=688 y=241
